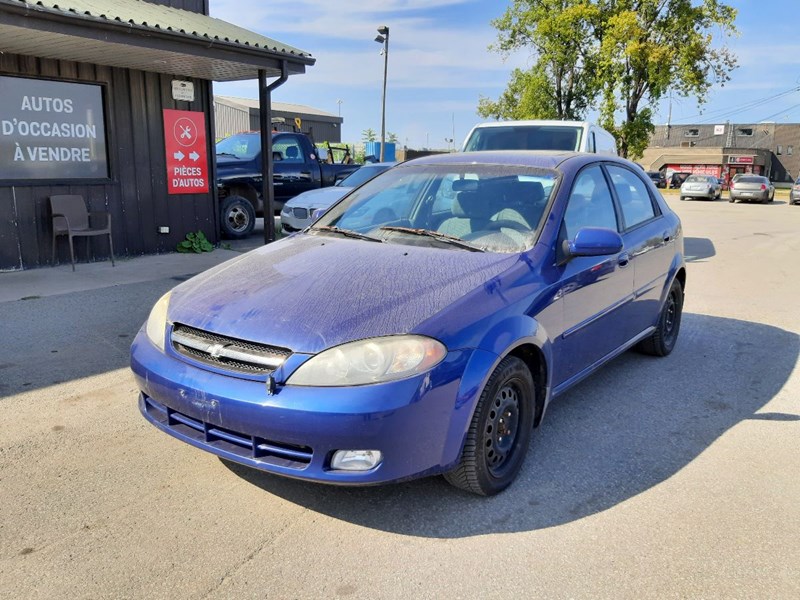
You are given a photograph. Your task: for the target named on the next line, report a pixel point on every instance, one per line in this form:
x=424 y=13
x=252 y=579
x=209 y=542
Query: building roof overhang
x=138 y=35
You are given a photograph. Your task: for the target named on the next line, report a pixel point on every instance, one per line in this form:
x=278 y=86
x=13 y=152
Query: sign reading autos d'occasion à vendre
x=51 y=130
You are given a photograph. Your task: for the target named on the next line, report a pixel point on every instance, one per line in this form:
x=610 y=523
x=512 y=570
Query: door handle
x=623 y=260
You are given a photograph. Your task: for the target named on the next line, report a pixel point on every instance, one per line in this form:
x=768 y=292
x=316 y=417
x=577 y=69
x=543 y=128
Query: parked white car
x=701 y=186
x=298 y=212
x=571 y=136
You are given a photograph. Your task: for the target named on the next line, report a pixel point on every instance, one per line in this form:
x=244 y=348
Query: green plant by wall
x=195 y=242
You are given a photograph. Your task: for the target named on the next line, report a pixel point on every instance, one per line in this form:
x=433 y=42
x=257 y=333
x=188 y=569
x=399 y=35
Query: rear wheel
x=238 y=217
x=663 y=339
x=500 y=431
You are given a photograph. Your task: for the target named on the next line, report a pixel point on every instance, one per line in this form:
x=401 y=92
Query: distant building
x=233 y=115
x=770 y=149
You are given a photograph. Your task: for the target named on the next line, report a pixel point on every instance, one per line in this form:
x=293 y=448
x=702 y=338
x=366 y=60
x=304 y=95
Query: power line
x=716 y=115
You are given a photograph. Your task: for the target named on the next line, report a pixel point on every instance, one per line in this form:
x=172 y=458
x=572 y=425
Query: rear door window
x=634 y=199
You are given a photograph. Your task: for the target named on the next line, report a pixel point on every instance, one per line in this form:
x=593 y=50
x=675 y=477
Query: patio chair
x=71 y=218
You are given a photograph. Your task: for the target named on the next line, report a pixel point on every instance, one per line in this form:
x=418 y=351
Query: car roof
x=544 y=159
x=528 y=123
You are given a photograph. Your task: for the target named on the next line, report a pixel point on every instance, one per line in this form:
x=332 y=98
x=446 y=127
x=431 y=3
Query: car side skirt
x=561 y=388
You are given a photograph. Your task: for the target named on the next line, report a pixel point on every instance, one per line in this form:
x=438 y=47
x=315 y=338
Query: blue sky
x=439 y=64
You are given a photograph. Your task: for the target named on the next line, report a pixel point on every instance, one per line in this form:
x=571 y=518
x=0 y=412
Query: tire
x=732 y=200
x=683 y=198
x=490 y=462
x=237 y=218
x=663 y=339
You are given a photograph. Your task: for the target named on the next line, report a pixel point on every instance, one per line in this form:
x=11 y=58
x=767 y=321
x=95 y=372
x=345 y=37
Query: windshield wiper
x=442 y=237
x=226 y=154
x=348 y=233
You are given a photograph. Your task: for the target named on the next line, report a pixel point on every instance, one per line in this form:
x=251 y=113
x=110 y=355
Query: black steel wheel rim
x=502 y=429
x=670 y=315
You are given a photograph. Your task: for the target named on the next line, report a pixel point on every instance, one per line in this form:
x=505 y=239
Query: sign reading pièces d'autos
x=51 y=130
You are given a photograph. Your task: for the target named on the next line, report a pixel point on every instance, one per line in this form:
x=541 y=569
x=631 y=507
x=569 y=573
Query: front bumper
x=290 y=223
x=418 y=424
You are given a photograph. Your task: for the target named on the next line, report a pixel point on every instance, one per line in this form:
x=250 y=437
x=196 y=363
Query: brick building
x=771 y=149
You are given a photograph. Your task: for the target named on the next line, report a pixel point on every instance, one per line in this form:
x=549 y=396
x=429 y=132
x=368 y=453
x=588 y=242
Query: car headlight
x=368 y=361
x=156 y=326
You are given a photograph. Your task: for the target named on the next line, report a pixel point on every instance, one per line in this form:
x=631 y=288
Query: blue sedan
x=423 y=324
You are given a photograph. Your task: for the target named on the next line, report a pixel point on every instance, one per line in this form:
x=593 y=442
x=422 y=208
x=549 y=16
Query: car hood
x=320 y=198
x=311 y=292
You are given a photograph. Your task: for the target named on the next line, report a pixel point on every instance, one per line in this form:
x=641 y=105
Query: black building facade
x=85 y=114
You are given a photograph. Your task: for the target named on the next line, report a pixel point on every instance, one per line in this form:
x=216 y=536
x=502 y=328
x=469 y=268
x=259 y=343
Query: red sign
x=187 y=158
x=740 y=160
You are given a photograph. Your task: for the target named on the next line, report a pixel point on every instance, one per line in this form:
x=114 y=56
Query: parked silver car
x=794 y=194
x=298 y=212
x=752 y=187
x=701 y=186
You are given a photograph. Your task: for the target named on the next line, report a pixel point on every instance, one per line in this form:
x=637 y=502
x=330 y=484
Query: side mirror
x=593 y=241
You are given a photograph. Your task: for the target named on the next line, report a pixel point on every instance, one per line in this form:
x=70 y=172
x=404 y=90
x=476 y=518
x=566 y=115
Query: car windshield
x=489 y=208
x=697 y=179
x=526 y=137
x=361 y=175
x=750 y=180
x=241 y=145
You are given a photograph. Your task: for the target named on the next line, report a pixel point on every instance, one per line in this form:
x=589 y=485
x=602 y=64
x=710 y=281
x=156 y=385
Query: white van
x=574 y=136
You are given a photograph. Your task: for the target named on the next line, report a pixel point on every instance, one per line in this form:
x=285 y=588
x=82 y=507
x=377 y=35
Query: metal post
x=384 y=31
x=265 y=125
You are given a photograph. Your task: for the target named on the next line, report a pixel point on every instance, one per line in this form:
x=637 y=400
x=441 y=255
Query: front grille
x=300 y=213
x=247 y=446
x=227 y=353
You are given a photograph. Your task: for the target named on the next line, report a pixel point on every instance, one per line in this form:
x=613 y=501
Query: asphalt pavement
x=654 y=478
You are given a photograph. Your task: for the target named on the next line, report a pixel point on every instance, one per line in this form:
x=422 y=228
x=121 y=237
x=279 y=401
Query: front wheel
x=500 y=431
x=238 y=217
x=663 y=339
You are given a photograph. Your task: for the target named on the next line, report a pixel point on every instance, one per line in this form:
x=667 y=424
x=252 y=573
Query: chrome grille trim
x=227 y=353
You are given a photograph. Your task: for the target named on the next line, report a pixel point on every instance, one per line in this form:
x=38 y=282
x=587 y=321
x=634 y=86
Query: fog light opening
x=356 y=460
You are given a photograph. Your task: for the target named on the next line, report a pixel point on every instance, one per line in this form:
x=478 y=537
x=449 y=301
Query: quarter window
x=590 y=203
x=634 y=199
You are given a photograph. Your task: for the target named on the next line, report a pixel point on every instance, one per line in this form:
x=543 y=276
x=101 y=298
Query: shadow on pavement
x=695 y=249
x=635 y=423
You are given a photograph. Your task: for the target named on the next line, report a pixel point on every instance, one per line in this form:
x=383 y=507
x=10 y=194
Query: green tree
x=618 y=56
x=562 y=82
x=369 y=135
x=648 y=47
x=391 y=138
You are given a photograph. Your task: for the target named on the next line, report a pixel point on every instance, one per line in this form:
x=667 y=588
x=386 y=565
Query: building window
x=789 y=150
x=780 y=150
x=745 y=131
x=691 y=133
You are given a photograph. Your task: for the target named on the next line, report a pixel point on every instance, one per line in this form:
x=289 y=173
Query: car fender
x=676 y=265
x=500 y=341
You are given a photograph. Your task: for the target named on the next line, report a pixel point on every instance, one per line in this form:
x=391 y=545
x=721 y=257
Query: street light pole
x=383 y=38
